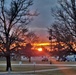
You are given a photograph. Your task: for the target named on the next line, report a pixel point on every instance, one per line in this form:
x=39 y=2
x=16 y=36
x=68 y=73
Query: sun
x=40 y=49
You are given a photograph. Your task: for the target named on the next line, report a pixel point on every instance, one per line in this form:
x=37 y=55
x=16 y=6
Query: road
x=67 y=65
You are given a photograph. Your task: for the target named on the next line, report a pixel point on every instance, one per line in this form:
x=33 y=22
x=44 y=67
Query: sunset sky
x=44 y=20
x=41 y=23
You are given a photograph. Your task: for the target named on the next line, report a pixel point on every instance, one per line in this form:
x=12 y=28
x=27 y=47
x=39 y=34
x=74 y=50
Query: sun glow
x=40 y=49
x=41 y=44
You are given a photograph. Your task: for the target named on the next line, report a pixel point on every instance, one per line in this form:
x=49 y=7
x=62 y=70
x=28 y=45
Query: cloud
x=45 y=19
x=42 y=33
x=44 y=8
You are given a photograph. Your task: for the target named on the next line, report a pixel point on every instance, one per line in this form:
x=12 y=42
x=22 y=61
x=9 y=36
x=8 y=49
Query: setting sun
x=39 y=49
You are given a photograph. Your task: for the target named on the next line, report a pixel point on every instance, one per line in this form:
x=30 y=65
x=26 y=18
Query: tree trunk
x=29 y=59
x=8 y=61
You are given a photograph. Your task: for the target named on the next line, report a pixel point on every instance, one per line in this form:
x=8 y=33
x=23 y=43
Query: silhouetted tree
x=64 y=27
x=13 y=20
x=31 y=37
x=27 y=51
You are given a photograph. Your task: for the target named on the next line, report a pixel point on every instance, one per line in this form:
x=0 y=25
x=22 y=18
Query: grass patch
x=31 y=68
x=57 y=72
x=2 y=68
x=50 y=73
x=24 y=68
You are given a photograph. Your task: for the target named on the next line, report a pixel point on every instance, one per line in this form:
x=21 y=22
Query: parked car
x=45 y=59
x=71 y=58
x=61 y=58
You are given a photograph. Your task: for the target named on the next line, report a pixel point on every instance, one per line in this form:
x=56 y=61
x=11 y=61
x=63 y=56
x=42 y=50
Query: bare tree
x=64 y=27
x=31 y=37
x=13 y=20
x=27 y=51
x=65 y=15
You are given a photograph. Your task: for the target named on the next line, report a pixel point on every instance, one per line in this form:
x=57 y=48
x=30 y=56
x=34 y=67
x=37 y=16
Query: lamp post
x=50 y=38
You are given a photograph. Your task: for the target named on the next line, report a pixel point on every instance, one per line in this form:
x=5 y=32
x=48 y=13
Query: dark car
x=45 y=59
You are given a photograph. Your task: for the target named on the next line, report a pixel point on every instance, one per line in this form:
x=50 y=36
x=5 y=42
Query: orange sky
x=41 y=44
x=44 y=43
